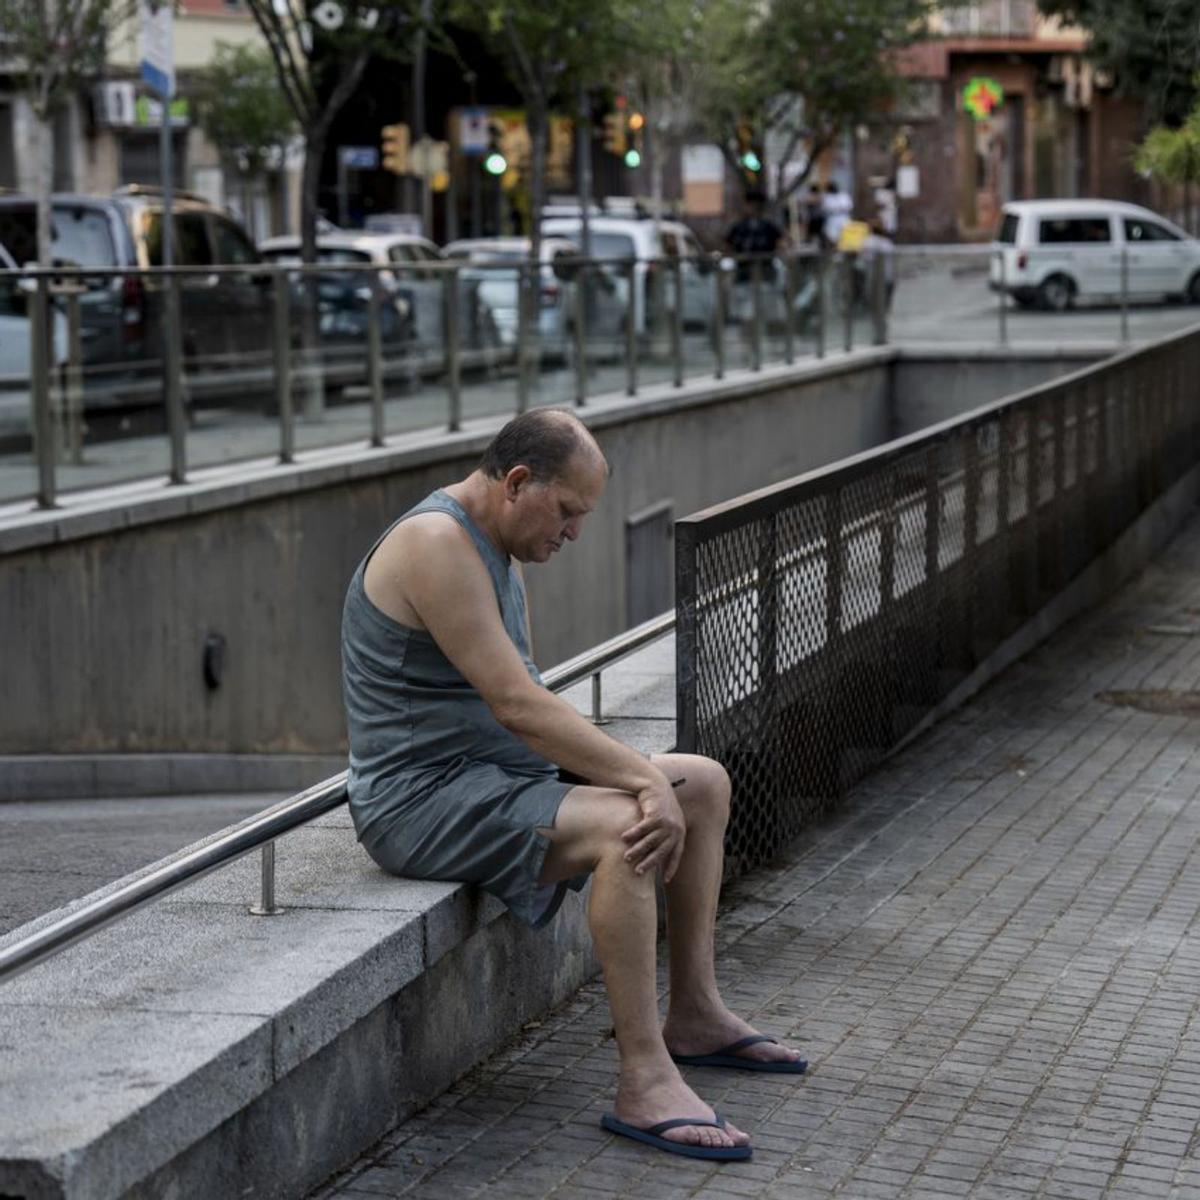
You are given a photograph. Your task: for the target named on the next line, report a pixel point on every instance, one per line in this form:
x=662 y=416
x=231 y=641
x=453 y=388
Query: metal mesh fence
x=819 y=620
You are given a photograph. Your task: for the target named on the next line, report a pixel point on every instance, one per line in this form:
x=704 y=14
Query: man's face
x=545 y=516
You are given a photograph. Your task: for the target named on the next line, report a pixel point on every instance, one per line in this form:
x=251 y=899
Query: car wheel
x=1192 y=295
x=1056 y=293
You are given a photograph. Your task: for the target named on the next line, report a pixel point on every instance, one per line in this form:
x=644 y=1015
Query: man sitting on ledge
x=455 y=757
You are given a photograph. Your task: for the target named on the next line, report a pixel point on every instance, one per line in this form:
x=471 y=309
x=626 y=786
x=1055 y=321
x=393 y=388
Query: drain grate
x=1163 y=701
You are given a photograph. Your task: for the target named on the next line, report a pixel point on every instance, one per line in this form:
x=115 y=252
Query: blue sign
x=359 y=158
x=156 y=37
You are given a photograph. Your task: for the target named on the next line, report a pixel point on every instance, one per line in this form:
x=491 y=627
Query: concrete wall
x=104 y=613
x=931 y=386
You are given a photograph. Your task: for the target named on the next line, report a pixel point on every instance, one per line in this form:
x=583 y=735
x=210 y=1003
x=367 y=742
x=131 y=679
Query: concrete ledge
x=196 y=1050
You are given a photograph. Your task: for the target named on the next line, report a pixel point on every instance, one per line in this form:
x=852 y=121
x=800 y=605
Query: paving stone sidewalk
x=988 y=953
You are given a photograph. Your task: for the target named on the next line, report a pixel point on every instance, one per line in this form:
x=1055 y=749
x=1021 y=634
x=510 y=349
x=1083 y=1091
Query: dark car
x=224 y=315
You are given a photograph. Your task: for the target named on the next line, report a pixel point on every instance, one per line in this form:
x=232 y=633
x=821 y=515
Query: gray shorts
x=480 y=825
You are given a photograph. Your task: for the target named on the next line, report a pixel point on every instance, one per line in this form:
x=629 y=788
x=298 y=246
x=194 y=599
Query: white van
x=1050 y=253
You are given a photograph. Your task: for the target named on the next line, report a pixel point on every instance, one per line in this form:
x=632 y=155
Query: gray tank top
x=409 y=711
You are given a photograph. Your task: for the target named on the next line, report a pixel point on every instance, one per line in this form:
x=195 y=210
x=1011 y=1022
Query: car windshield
x=1007 y=233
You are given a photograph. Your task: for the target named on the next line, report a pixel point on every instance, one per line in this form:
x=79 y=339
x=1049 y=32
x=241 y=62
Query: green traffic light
x=633 y=158
x=751 y=161
x=495 y=163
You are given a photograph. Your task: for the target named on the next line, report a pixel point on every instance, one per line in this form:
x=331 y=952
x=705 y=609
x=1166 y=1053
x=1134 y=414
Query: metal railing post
x=1124 y=293
x=39 y=393
x=756 y=347
x=847 y=302
x=375 y=359
x=720 y=282
x=283 y=366
x=878 y=304
x=677 y=323
x=74 y=397
x=266 y=906
x=789 y=310
x=522 y=339
x=580 y=335
x=172 y=339
x=1002 y=293
x=822 y=299
x=631 y=329
x=453 y=364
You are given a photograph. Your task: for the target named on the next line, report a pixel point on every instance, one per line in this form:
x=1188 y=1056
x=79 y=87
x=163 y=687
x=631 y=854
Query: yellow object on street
x=853 y=234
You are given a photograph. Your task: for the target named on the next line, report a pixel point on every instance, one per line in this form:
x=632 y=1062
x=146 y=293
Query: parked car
x=223 y=315
x=1051 y=253
x=409 y=275
x=651 y=245
x=497 y=280
x=16 y=353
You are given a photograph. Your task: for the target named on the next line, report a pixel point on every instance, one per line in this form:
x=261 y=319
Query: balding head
x=547 y=441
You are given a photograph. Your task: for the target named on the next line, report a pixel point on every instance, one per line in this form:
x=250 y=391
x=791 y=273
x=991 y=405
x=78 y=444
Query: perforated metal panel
x=819 y=620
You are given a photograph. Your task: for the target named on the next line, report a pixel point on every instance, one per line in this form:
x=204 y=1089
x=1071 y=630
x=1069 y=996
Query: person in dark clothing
x=754 y=234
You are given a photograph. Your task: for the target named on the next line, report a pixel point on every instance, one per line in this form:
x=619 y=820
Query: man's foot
x=648 y=1097
x=700 y=1033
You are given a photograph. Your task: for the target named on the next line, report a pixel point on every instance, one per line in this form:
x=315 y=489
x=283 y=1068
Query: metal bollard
x=74 y=380
x=822 y=299
x=878 y=300
x=580 y=335
x=375 y=360
x=1003 y=300
x=266 y=907
x=677 y=323
x=631 y=347
x=453 y=364
x=283 y=367
x=789 y=311
x=39 y=393
x=176 y=421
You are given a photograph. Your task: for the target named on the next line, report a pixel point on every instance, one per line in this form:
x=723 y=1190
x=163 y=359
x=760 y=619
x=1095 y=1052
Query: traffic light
x=615 y=141
x=494 y=161
x=635 y=124
x=749 y=158
x=394 y=140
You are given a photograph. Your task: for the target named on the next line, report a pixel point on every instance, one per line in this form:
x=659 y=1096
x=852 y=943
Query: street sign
x=427 y=157
x=359 y=158
x=156 y=45
x=473 y=131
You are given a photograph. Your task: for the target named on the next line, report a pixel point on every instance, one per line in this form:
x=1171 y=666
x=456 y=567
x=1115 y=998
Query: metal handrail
x=262 y=830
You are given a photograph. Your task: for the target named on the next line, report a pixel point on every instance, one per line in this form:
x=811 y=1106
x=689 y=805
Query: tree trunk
x=43 y=157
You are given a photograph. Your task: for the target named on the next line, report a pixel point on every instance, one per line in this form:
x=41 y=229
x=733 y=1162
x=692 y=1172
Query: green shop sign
x=148 y=111
x=982 y=96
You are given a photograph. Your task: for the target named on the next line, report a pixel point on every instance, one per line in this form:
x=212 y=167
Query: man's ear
x=518 y=478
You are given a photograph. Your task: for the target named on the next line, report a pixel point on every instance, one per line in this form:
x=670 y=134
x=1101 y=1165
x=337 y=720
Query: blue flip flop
x=653 y=1137
x=728 y=1056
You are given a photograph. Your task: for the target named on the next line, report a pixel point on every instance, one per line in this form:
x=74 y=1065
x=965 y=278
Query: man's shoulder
x=424 y=539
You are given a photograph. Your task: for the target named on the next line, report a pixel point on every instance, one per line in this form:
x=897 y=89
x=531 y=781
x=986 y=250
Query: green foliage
x=54 y=45
x=1172 y=156
x=1152 y=48
x=805 y=70
x=242 y=108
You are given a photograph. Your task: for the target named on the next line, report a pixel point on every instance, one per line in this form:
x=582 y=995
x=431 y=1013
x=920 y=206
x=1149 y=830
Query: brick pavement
x=987 y=953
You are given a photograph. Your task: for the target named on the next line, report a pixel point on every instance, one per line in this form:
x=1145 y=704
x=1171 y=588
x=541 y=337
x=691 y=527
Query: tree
x=321 y=49
x=54 y=46
x=1172 y=157
x=804 y=71
x=1151 y=47
x=243 y=111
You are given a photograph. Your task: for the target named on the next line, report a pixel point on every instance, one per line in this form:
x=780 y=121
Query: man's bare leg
x=623 y=920
x=697 y=1020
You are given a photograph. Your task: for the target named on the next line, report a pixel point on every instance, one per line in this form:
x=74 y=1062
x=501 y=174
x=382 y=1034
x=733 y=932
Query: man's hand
x=657 y=839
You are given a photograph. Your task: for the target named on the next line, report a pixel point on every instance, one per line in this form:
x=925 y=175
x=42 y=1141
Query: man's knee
x=710 y=797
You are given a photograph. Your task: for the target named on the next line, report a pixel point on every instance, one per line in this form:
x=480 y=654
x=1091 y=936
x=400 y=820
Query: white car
x=409 y=275
x=652 y=245
x=1051 y=253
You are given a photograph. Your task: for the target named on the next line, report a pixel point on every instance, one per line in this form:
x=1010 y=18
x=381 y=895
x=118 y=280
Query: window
x=1147 y=231
x=1008 y=229
x=612 y=245
x=191 y=246
x=232 y=245
x=81 y=235
x=1074 y=229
